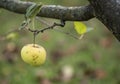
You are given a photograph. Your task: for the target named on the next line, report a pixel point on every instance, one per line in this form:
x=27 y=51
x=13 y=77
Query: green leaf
x=33 y=10
x=80 y=27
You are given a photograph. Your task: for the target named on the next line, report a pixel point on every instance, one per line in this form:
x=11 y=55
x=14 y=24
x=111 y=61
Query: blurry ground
x=93 y=60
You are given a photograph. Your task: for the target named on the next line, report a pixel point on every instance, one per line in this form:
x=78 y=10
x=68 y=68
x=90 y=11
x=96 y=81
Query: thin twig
x=62 y=24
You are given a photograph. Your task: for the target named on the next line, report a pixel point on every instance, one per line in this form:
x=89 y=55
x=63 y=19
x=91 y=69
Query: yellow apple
x=33 y=54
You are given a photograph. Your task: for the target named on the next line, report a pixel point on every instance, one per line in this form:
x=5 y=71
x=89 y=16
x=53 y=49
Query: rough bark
x=51 y=11
x=107 y=11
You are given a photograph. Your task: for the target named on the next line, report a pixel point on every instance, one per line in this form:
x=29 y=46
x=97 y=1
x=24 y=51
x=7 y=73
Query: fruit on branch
x=33 y=54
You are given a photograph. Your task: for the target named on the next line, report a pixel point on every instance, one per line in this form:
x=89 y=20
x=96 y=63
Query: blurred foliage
x=93 y=60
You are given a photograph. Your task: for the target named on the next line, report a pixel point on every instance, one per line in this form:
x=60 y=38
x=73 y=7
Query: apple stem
x=34 y=35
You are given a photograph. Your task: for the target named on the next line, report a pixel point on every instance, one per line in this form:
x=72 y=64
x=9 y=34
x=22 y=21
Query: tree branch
x=108 y=12
x=81 y=13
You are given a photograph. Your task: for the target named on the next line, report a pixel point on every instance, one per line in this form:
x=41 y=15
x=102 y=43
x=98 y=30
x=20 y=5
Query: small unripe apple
x=12 y=36
x=33 y=54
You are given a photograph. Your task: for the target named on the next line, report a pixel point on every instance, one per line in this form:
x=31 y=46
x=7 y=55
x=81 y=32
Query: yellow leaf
x=80 y=27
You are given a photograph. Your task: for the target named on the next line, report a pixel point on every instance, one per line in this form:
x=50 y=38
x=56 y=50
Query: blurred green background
x=93 y=60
